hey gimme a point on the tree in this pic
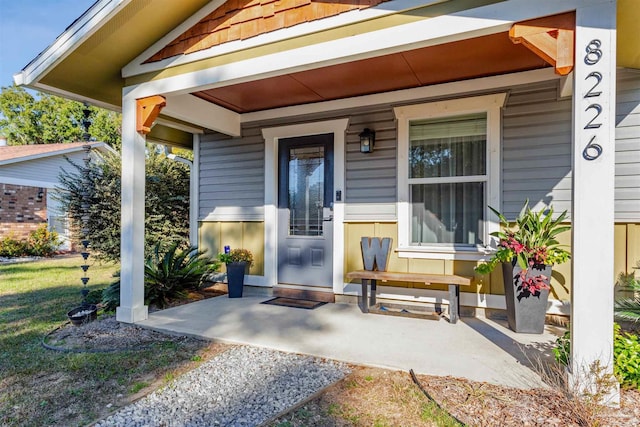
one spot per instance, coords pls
(166, 202)
(47, 119)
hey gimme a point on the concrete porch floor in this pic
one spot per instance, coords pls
(475, 348)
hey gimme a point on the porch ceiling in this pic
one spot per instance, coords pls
(478, 57)
(86, 61)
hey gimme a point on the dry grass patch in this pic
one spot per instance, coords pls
(378, 397)
(369, 397)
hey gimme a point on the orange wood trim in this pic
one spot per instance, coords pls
(551, 38)
(148, 110)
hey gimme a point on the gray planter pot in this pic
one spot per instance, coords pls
(235, 278)
(525, 311)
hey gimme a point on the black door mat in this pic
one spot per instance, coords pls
(295, 303)
(405, 311)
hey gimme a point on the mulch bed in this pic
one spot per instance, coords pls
(483, 404)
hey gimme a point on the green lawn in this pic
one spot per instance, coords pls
(40, 387)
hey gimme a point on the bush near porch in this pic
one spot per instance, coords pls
(40, 242)
(166, 202)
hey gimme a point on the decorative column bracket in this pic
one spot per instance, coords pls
(147, 112)
(551, 38)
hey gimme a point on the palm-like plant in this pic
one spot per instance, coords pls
(532, 242)
(168, 275)
(628, 308)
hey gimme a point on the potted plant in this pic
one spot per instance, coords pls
(237, 262)
(527, 254)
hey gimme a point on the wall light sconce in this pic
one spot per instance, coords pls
(40, 193)
(367, 140)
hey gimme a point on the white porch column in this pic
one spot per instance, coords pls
(132, 308)
(593, 193)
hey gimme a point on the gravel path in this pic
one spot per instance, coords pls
(244, 386)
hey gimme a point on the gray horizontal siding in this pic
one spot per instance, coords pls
(536, 149)
(231, 181)
(370, 192)
(371, 178)
(535, 152)
(627, 184)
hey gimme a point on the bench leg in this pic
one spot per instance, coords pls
(372, 300)
(365, 298)
(454, 303)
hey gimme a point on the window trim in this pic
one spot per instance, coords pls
(489, 104)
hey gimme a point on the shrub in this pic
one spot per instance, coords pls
(94, 296)
(626, 363)
(111, 296)
(169, 274)
(562, 349)
(42, 242)
(10, 247)
(628, 308)
(626, 355)
(236, 255)
(532, 242)
(166, 202)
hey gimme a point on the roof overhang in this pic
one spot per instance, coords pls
(87, 60)
(60, 150)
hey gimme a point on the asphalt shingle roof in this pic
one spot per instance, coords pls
(14, 152)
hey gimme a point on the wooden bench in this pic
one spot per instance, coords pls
(372, 277)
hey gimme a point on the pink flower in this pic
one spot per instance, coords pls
(513, 244)
(533, 284)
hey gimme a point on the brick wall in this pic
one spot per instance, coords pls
(22, 209)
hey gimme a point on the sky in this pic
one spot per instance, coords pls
(27, 27)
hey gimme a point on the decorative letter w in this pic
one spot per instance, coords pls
(375, 254)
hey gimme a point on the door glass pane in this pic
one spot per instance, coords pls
(306, 190)
(447, 213)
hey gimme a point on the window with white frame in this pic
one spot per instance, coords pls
(447, 180)
(448, 173)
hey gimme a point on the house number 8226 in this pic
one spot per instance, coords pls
(593, 150)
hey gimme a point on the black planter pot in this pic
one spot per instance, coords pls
(235, 278)
(83, 314)
(525, 311)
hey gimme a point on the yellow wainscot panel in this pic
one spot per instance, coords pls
(231, 234)
(209, 237)
(434, 266)
(495, 280)
(253, 240)
(352, 251)
(619, 249)
(633, 246)
(561, 275)
(385, 229)
(466, 268)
